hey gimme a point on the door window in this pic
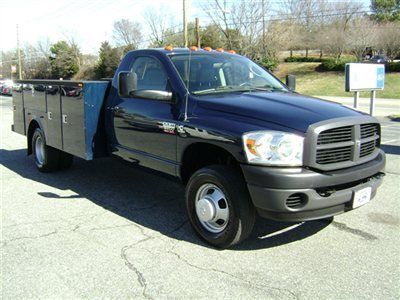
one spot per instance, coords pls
(150, 74)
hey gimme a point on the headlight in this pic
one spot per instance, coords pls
(273, 148)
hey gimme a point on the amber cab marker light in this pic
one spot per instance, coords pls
(220, 49)
(169, 48)
(207, 49)
(232, 51)
(193, 48)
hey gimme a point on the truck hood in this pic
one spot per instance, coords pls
(286, 109)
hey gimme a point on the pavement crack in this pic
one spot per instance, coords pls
(247, 282)
(112, 227)
(140, 278)
(358, 232)
(29, 237)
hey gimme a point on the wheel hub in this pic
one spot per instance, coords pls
(205, 210)
(39, 150)
(212, 208)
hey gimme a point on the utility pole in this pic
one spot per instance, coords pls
(198, 33)
(185, 33)
(19, 55)
(263, 24)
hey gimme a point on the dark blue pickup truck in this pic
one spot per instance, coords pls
(240, 140)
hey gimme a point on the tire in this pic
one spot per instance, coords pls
(65, 161)
(46, 158)
(202, 194)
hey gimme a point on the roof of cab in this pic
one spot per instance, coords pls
(187, 50)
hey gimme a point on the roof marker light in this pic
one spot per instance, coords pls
(207, 49)
(194, 48)
(169, 48)
(220, 49)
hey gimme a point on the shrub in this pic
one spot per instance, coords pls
(269, 63)
(392, 67)
(302, 59)
(330, 64)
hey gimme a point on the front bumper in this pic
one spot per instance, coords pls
(323, 194)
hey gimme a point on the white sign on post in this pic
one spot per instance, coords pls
(365, 77)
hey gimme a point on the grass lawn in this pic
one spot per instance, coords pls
(311, 82)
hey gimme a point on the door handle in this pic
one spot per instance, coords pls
(64, 119)
(49, 115)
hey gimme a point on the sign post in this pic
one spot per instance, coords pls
(356, 97)
(365, 77)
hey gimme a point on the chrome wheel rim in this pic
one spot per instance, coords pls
(212, 208)
(39, 150)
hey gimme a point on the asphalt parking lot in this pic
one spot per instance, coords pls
(104, 229)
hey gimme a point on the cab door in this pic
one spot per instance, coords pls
(145, 128)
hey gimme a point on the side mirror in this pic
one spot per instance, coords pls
(127, 83)
(291, 82)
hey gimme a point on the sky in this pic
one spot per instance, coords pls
(88, 22)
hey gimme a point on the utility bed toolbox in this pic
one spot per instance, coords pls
(68, 112)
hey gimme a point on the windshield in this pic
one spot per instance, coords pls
(220, 73)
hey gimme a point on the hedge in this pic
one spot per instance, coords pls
(302, 59)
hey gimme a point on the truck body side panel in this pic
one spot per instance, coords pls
(18, 112)
(94, 121)
(73, 123)
(34, 97)
(69, 112)
(53, 118)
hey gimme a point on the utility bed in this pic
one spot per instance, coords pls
(68, 111)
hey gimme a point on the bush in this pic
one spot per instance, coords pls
(330, 64)
(302, 59)
(392, 67)
(269, 63)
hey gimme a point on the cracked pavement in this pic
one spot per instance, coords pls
(104, 229)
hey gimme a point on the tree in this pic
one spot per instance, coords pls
(127, 34)
(212, 37)
(108, 61)
(158, 25)
(333, 35)
(388, 39)
(385, 10)
(362, 34)
(64, 59)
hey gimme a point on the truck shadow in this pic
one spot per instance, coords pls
(391, 149)
(144, 198)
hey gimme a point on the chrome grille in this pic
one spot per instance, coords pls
(367, 148)
(341, 144)
(333, 155)
(368, 130)
(336, 135)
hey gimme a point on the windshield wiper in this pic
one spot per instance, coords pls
(268, 88)
(221, 89)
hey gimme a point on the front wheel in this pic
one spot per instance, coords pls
(219, 206)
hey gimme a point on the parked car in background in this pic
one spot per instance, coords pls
(17, 87)
(379, 59)
(7, 90)
(6, 87)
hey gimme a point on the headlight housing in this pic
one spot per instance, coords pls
(274, 148)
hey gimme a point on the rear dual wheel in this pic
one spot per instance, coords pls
(48, 159)
(219, 206)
